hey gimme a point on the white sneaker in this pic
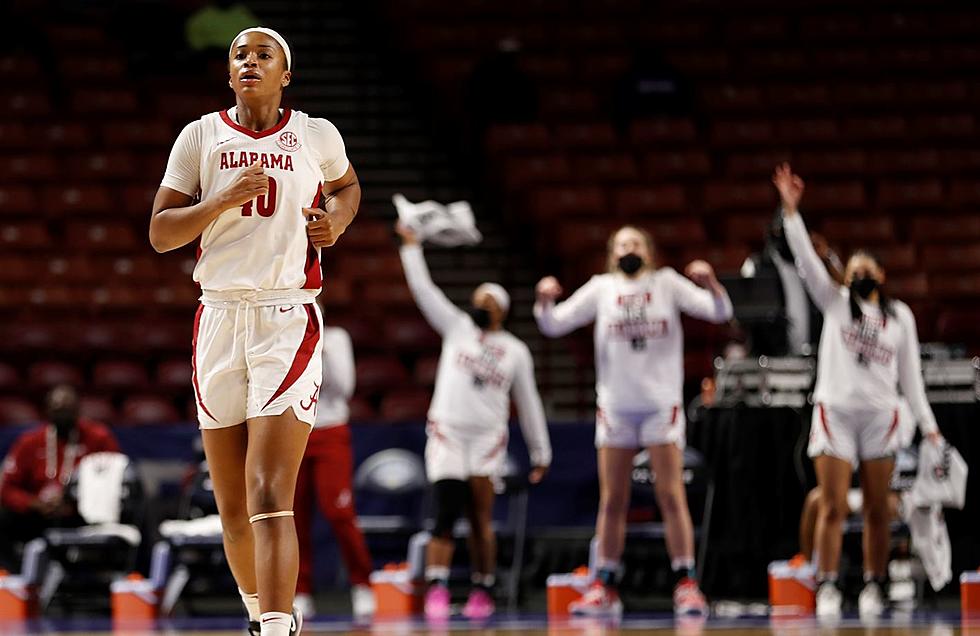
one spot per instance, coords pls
(829, 600)
(362, 601)
(870, 602)
(304, 603)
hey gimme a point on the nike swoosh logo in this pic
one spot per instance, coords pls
(283, 310)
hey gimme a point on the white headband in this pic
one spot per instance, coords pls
(272, 34)
(498, 293)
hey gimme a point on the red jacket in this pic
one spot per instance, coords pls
(26, 471)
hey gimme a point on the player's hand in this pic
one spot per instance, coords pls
(790, 188)
(407, 234)
(250, 183)
(323, 228)
(537, 474)
(548, 289)
(703, 274)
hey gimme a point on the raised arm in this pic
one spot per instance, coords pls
(910, 375)
(176, 219)
(530, 412)
(438, 310)
(707, 299)
(338, 362)
(579, 310)
(822, 288)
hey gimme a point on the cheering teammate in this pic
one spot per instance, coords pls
(639, 353)
(242, 180)
(869, 348)
(467, 429)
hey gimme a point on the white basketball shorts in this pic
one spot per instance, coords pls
(854, 436)
(459, 453)
(255, 359)
(666, 425)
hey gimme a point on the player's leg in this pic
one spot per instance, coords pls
(333, 475)
(875, 485)
(808, 522)
(833, 479)
(303, 511)
(275, 451)
(483, 547)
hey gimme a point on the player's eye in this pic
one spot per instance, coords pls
(265, 56)
(239, 56)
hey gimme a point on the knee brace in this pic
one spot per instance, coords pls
(451, 496)
(270, 515)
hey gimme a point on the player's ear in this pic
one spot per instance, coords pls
(230, 85)
(286, 78)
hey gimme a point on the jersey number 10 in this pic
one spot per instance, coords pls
(264, 205)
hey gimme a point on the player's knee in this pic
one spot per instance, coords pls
(269, 493)
(670, 499)
(833, 509)
(451, 496)
(614, 504)
(876, 512)
(234, 524)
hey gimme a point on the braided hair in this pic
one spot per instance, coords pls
(884, 300)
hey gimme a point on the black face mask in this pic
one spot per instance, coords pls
(480, 316)
(630, 264)
(864, 286)
(64, 423)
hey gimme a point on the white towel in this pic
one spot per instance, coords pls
(203, 527)
(930, 540)
(446, 225)
(941, 478)
(100, 485)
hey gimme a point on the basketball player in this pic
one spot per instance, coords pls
(242, 180)
(868, 348)
(639, 352)
(325, 475)
(480, 365)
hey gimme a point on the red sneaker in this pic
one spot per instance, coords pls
(598, 600)
(688, 599)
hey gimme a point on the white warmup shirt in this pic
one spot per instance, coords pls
(639, 344)
(261, 245)
(477, 369)
(862, 363)
(338, 378)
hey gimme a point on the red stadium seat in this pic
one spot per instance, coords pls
(337, 292)
(517, 137)
(119, 374)
(174, 374)
(104, 101)
(361, 410)
(657, 132)
(149, 409)
(387, 294)
(848, 163)
(102, 237)
(950, 126)
(919, 162)
(875, 128)
(636, 201)
(376, 373)
(69, 201)
(98, 337)
(137, 200)
(165, 337)
(749, 195)
(965, 193)
(76, 269)
(910, 287)
(605, 167)
(742, 133)
(546, 66)
(953, 92)
(50, 373)
(22, 68)
(25, 104)
(95, 408)
(89, 69)
(424, 373)
(957, 325)
(759, 164)
(117, 164)
(597, 135)
(14, 410)
(726, 259)
(31, 167)
(135, 268)
(868, 93)
(897, 258)
(57, 296)
(15, 135)
(29, 336)
(573, 102)
(945, 257)
(867, 230)
(405, 405)
(555, 202)
(10, 378)
(803, 131)
(385, 266)
(839, 196)
(734, 97)
(64, 135)
(137, 133)
(574, 238)
(24, 235)
(180, 297)
(404, 333)
(20, 269)
(795, 96)
(921, 193)
(366, 234)
(959, 287)
(18, 200)
(684, 163)
(748, 228)
(520, 172)
(938, 228)
(680, 232)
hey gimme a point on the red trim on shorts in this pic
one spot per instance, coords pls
(501, 445)
(600, 418)
(894, 426)
(197, 388)
(262, 133)
(673, 415)
(823, 420)
(303, 354)
(314, 275)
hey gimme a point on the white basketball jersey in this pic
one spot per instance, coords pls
(261, 245)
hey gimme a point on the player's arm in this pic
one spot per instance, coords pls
(342, 198)
(558, 320)
(910, 376)
(823, 289)
(530, 412)
(439, 311)
(705, 297)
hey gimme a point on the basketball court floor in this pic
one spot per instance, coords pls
(530, 625)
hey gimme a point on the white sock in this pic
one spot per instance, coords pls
(682, 563)
(251, 602)
(276, 624)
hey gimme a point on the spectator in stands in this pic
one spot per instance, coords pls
(799, 330)
(869, 349)
(39, 466)
(325, 475)
(481, 365)
(650, 87)
(639, 347)
(210, 28)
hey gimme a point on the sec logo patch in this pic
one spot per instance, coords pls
(288, 141)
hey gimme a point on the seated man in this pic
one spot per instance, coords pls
(39, 466)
